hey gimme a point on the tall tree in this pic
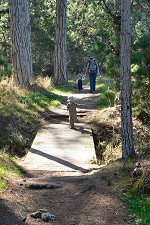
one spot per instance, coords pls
(60, 66)
(126, 110)
(21, 42)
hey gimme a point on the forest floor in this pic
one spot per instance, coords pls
(83, 198)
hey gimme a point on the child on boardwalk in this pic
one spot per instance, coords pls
(79, 81)
(71, 107)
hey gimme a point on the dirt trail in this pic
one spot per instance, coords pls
(83, 198)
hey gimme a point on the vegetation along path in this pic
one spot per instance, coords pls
(62, 186)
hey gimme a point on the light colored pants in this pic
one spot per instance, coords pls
(72, 120)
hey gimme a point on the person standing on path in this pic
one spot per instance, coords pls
(92, 71)
(79, 81)
(71, 107)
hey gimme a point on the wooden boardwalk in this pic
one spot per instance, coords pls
(56, 147)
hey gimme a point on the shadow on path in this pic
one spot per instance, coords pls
(82, 130)
(58, 160)
(8, 215)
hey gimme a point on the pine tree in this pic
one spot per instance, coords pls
(21, 42)
(126, 110)
(60, 67)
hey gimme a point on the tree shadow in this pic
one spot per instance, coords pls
(8, 214)
(82, 130)
(59, 160)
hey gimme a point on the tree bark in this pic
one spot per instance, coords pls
(126, 110)
(60, 68)
(21, 42)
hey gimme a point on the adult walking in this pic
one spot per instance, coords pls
(92, 71)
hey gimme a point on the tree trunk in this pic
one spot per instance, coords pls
(60, 68)
(21, 41)
(126, 110)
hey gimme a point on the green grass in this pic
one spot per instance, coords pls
(41, 99)
(138, 204)
(139, 209)
(128, 165)
(106, 81)
(64, 88)
(102, 87)
(3, 172)
(3, 184)
(8, 167)
(105, 88)
(103, 102)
